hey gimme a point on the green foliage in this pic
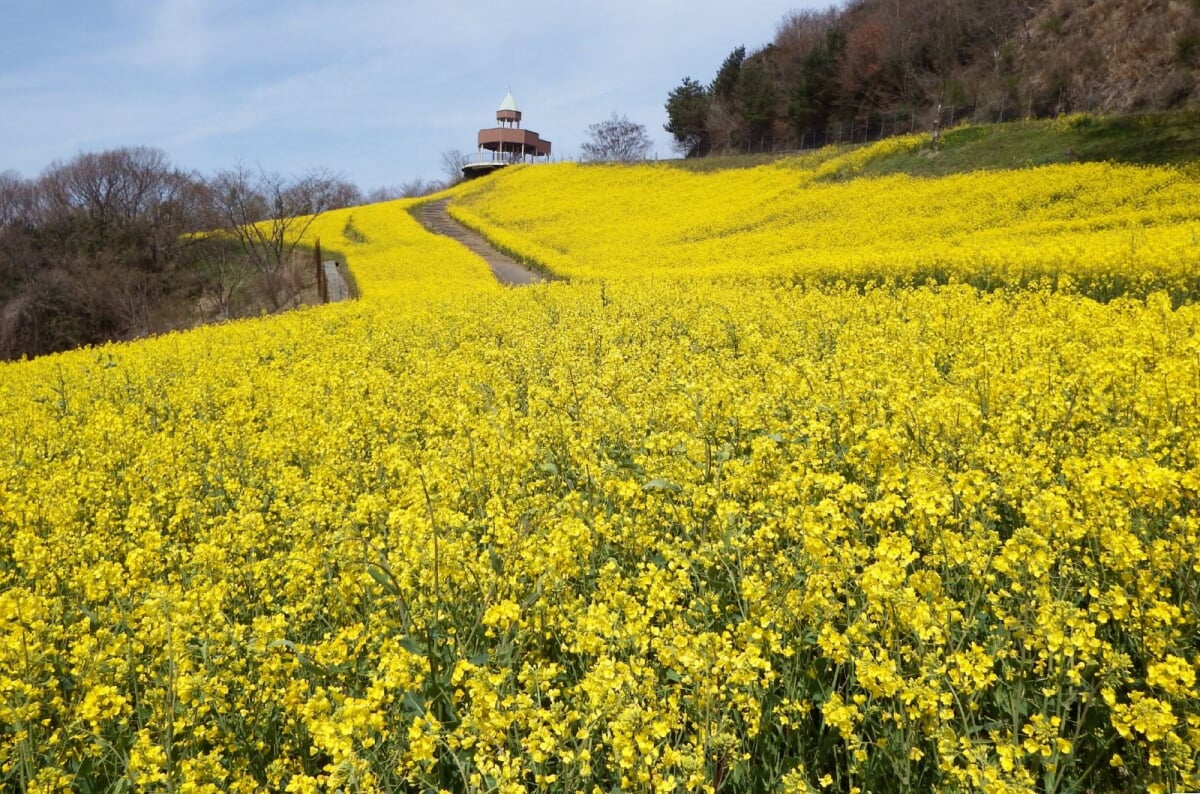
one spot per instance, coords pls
(814, 93)
(1147, 139)
(1170, 138)
(756, 98)
(687, 117)
(726, 82)
(352, 233)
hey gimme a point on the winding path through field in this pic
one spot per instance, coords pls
(435, 218)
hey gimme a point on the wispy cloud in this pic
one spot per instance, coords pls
(178, 35)
(376, 89)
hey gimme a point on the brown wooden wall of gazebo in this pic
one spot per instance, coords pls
(513, 141)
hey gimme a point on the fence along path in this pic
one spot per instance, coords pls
(435, 218)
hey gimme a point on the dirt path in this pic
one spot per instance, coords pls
(435, 218)
(339, 290)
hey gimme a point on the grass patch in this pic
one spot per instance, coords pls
(1166, 138)
(728, 162)
(1149, 139)
(990, 147)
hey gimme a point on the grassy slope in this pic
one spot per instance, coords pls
(1156, 139)
(1103, 229)
(1149, 139)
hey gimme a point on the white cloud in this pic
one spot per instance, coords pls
(374, 88)
(179, 35)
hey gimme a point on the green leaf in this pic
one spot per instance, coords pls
(93, 618)
(414, 705)
(384, 578)
(311, 665)
(661, 485)
(533, 597)
(412, 645)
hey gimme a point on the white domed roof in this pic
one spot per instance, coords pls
(509, 103)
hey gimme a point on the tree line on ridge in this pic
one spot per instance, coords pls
(871, 68)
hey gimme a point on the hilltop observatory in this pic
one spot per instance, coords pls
(507, 142)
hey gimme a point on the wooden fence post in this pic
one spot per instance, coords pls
(322, 286)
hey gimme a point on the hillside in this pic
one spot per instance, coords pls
(1107, 229)
(1112, 55)
(121, 244)
(871, 68)
(1163, 138)
(803, 479)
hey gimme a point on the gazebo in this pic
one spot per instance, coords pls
(507, 142)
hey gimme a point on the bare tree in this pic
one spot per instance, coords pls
(343, 194)
(802, 31)
(617, 139)
(17, 262)
(89, 249)
(453, 161)
(722, 123)
(128, 200)
(228, 274)
(268, 214)
(416, 187)
(98, 247)
(118, 184)
(16, 198)
(413, 188)
(386, 193)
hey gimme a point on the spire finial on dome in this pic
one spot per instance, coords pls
(509, 103)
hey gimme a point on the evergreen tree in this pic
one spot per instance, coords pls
(756, 99)
(687, 115)
(814, 94)
(725, 84)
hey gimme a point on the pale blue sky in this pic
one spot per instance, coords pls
(372, 90)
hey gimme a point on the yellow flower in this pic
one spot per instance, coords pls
(1173, 675)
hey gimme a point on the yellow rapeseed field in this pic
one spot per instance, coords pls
(1098, 229)
(738, 508)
